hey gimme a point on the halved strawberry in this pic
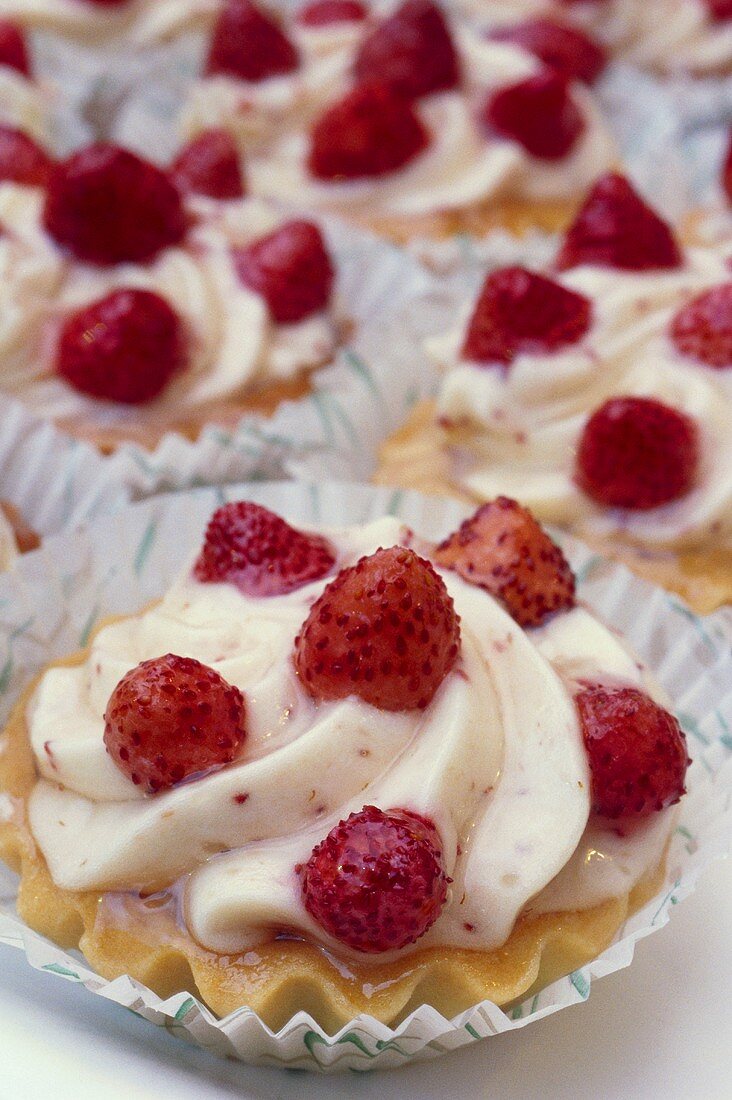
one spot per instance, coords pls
(727, 169)
(720, 10)
(248, 546)
(411, 51)
(636, 452)
(702, 329)
(565, 49)
(504, 550)
(370, 132)
(249, 45)
(616, 228)
(291, 269)
(323, 13)
(377, 881)
(13, 48)
(637, 752)
(22, 160)
(209, 165)
(107, 206)
(539, 113)
(384, 629)
(519, 312)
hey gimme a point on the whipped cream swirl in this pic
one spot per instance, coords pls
(140, 20)
(496, 761)
(667, 35)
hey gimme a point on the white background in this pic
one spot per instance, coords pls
(662, 1029)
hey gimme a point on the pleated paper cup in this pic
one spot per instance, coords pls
(54, 482)
(50, 604)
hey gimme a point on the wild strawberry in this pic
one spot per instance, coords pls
(411, 51)
(637, 752)
(13, 48)
(384, 629)
(727, 170)
(322, 13)
(521, 312)
(719, 10)
(249, 45)
(258, 552)
(291, 269)
(377, 882)
(616, 228)
(124, 347)
(109, 206)
(539, 113)
(702, 329)
(370, 132)
(636, 452)
(503, 549)
(209, 165)
(171, 719)
(560, 47)
(22, 160)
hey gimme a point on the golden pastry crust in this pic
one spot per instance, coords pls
(515, 217)
(148, 432)
(124, 933)
(419, 456)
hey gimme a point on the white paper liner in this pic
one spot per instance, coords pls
(50, 605)
(55, 482)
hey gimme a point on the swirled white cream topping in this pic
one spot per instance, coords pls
(234, 347)
(142, 20)
(668, 35)
(9, 552)
(524, 422)
(496, 761)
(24, 104)
(461, 166)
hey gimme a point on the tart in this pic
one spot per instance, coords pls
(600, 392)
(411, 123)
(390, 761)
(195, 306)
(668, 36)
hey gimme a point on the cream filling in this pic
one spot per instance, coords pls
(667, 34)
(8, 546)
(525, 421)
(23, 104)
(258, 112)
(147, 20)
(234, 347)
(662, 34)
(496, 761)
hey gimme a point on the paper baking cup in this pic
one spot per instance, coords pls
(54, 481)
(48, 608)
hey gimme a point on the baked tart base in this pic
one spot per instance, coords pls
(478, 220)
(125, 933)
(148, 432)
(418, 457)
